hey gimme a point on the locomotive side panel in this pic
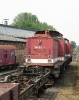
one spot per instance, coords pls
(55, 49)
(61, 48)
(68, 50)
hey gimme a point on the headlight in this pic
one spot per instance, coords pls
(29, 59)
(49, 59)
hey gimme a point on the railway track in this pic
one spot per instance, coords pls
(45, 95)
(8, 72)
(34, 85)
(5, 75)
(29, 84)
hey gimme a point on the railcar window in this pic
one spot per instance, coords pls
(5, 55)
(12, 54)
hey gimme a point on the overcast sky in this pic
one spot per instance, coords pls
(62, 14)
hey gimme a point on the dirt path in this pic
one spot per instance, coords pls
(68, 83)
(66, 87)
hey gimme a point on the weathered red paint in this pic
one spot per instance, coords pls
(61, 47)
(5, 91)
(44, 44)
(41, 46)
(7, 55)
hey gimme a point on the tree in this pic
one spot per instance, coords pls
(72, 42)
(30, 21)
(25, 17)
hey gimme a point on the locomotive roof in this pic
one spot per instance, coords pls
(66, 39)
(7, 47)
(52, 33)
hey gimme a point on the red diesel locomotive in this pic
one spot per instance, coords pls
(48, 49)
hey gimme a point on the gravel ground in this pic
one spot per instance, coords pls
(68, 83)
(66, 87)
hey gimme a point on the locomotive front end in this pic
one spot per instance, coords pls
(40, 50)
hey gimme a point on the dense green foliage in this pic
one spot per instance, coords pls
(72, 42)
(76, 48)
(29, 21)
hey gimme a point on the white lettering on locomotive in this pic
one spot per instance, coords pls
(39, 47)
